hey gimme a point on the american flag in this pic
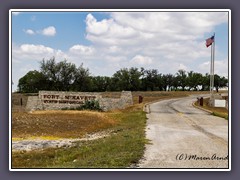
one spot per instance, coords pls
(209, 41)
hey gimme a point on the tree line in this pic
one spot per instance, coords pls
(66, 76)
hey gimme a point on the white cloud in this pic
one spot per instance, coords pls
(49, 31)
(175, 24)
(26, 57)
(220, 67)
(35, 49)
(30, 53)
(95, 27)
(29, 31)
(167, 41)
(141, 60)
(114, 49)
(172, 35)
(81, 49)
(182, 66)
(109, 32)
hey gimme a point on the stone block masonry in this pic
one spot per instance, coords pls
(117, 103)
(57, 100)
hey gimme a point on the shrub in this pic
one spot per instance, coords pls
(88, 105)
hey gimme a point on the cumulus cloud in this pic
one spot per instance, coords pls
(182, 25)
(109, 32)
(34, 53)
(35, 49)
(26, 57)
(168, 34)
(95, 27)
(151, 27)
(169, 40)
(183, 67)
(141, 60)
(49, 31)
(29, 31)
(220, 67)
(81, 49)
(114, 49)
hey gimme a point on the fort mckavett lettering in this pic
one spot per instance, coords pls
(67, 99)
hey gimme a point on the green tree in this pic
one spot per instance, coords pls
(135, 81)
(151, 80)
(82, 80)
(181, 77)
(60, 75)
(32, 82)
(101, 83)
(167, 81)
(194, 80)
(127, 79)
(219, 82)
(205, 83)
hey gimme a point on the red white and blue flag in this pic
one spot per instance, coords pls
(209, 41)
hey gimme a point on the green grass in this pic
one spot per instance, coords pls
(120, 150)
(220, 114)
(216, 111)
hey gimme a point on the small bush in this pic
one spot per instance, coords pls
(88, 105)
(65, 108)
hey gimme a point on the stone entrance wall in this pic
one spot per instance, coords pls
(56, 100)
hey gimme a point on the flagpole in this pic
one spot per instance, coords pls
(211, 42)
(212, 73)
(211, 68)
(210, 85)
(213, 57)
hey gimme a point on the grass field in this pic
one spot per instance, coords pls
(123, 148)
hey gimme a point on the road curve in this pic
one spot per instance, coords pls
(182, 136)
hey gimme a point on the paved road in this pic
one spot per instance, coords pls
(182, 136)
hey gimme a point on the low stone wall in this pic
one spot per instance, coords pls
(55, 100)
(117, 103)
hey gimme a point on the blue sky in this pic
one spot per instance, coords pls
(108, 41)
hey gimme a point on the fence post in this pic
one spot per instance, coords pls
(201, 101)
(140, 99)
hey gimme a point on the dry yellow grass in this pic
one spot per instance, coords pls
(58, 124)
